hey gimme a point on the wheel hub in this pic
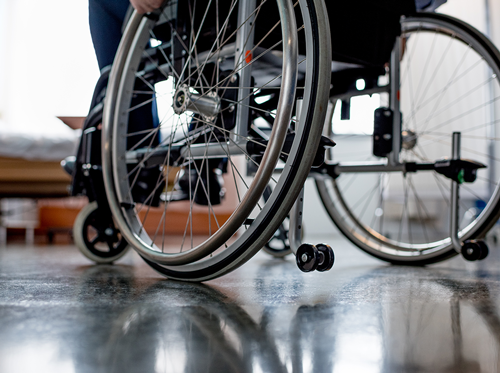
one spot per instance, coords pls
(207, 104)
(409, 139)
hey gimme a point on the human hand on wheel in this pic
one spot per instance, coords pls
(146, 6)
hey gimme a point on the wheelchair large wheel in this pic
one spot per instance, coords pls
(186, 192)
(449, 81)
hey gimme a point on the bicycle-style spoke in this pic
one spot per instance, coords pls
(436, 71)
(444, 91)
(408, 75)
(431, 98)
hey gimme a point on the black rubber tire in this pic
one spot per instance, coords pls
(307, 258)
(484, 250)
(328, 255)
(87, 221)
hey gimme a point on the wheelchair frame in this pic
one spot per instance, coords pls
(311, 257)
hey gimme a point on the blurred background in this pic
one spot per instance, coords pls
(47, 64)
(48, 70)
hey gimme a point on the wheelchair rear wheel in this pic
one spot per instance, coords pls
(449, 81)
(187, 192)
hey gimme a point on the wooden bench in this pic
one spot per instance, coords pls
(23, 178)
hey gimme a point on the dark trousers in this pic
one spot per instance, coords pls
(106, 19)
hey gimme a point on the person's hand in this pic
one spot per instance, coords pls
(146, 6)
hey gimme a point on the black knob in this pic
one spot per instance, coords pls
(326, 257)
(471, 250)
(307, 257)
(484, 250)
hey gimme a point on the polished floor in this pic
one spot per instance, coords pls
(59, 313)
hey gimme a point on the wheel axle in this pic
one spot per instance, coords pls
(207, 105)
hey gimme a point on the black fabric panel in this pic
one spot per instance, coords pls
(364, 31)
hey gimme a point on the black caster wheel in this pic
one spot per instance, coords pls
(474, 250)
(279, 246)
(326, 257)
(307, 257)
(98, 240)
(484, 249)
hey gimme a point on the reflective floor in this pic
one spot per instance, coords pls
(59, 313)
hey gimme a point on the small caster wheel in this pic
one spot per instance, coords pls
(484, 250)
(472, 250)
(279, 245)
(326, 257)
(98, 240)
(307, 257)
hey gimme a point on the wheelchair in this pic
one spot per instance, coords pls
(244, 95)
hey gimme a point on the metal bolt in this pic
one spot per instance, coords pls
(108, 231)
(233, 78)
(304, 258)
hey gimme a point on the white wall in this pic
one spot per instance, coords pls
(495, 20)
(469, 11)
(47, 67)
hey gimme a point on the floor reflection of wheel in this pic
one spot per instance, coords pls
(174, 327)
(96, 237)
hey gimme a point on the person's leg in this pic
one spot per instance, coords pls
(106, 19)
(428, 5)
